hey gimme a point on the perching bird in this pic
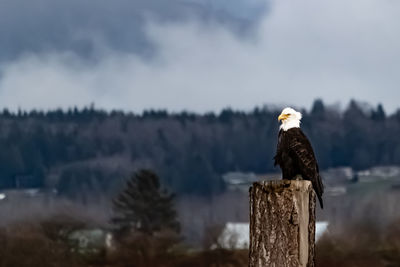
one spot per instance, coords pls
(294, 152)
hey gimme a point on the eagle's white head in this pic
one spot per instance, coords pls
(290, 119)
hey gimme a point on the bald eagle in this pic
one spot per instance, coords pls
(294, 152)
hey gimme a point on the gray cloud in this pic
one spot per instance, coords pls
(298, 51)
(78, 25)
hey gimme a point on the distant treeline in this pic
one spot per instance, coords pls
(90, 150)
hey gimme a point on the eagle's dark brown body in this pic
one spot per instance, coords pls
(295, 156)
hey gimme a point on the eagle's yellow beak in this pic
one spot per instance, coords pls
(283, 117)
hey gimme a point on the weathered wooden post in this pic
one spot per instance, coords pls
(282, 224)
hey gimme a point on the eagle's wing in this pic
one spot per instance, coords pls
(301, 149)
(278, 149)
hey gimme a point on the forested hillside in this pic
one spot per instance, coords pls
(91, 150)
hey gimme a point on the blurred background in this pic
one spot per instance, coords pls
(131, 131)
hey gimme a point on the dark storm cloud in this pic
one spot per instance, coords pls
(81, 26)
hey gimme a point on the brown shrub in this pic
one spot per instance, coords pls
(27, 245)
(215, 258)
(139, 249)
(361, 244)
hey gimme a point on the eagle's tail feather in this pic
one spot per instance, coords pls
(319, 189)
(320, 201)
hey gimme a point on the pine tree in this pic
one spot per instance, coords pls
(143, 206)
(378, 114)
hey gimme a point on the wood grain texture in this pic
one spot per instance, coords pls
(282, 224)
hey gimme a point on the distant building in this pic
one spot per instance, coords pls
(239, 180)
(237, 235)
(335, 176)
(18, 194)
(379, 173)
(320, 229)
(335, 190)
(89, 241)
(336, 180)
(242, 181)
(234, 236)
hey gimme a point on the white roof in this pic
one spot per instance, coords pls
(234, 236)
(320, 229)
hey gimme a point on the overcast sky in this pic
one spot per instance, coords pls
(198, 55)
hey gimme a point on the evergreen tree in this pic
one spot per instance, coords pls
(318, 107)
(143, 206)
(378, 114)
